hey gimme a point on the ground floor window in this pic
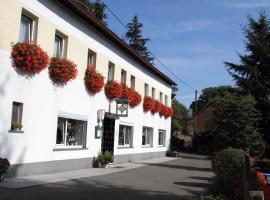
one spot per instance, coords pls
(71, 132)
(147, 136)
(161, 137)
(125, 136)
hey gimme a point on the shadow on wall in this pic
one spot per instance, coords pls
(88, 189)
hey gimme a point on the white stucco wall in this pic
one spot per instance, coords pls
(42, 101)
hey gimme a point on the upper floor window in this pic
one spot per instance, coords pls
(132, 82)
(16, 118)
(123, 76)
(161, 97)
(166, 100)
(147, 136)
(146, 90)
(59, 45)
(111, 71)
(125, 136)
(91, 58)
(26, 28)
(153, 93)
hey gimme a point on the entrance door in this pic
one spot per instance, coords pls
(108, 135)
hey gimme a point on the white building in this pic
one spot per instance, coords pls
(40, 147)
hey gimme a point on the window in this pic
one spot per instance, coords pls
(71, 132)
(26, 29)
(161, 97)
(111, 71)
(125, 136)
(166, 100)
(16, 118)
(58, 46)
(132, 82)
(161, 137)
(146, 90)
(123, 76)
(91, 58)
(147, 136)
(153, 93)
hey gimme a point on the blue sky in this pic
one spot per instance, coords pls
(191, 37)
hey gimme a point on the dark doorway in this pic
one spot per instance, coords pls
(108, 135)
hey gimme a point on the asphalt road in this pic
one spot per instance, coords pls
(179, 179)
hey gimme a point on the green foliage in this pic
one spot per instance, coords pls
(105, 158)
(180, 120)
(253, 72)
(136, 41)
(228, 165)
(234, 123)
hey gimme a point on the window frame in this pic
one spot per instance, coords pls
(83, 136)
(19, 113)
(111, 70)
(146, 90)
(132, 82)
(153, 92)
(166, 100)
(163, 138)
(123, 76)
(149, 131)
(32, 32)
(93, 55)
(63, 38)
(124, 135)
(161, 97)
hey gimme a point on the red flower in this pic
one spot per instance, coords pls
(62, 70)
(113, 89)
(136, 100)
(165, 111)
(93, 80)
(148, 104)
(157, 107)
(29, 57)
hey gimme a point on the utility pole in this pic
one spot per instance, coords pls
(196, 112)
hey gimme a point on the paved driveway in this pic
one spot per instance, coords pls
(179, 179)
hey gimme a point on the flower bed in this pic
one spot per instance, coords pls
(93, 80)
(148, 104)
(113, 90)
(29, 57)
(62, 70)
(137, 99)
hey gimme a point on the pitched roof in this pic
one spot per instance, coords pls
(83, 11)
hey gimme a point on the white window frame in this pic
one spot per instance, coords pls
(111, 69)
(91, 58)
(161, 97)
(19, 113)
(166, 100)
(130, 137)
(164, 137)
(32, 26)
(146, 90)
(65, 146)
(153, 93)
(123, 76)
(148, 134)
(132, 82)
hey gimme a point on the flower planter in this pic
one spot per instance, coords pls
(93, 80)
(148, 104)
(113, 90)
(29, 57)
(62, 70)
(166, 111)
(137, 99)
(157, 107)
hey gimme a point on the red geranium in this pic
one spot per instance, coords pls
(62, 70)
(93, 80)
(113, 89)
(128, 93)
(166, 111)
(157, 107)
(29, 57)
(136, 100)
(148, 104)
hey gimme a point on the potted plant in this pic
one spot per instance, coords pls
(4, 165)
(16, 126)
(148, 104)
(137, 99)
(104, 159)
(113, 90)
(93, 80)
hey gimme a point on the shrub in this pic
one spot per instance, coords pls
(62, 70)
(4, 165)
(29, 57)
(228, 165)
(93, 80)
(113, 89)
(105, 158)
(186, 141)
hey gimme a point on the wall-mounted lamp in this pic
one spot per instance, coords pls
(100, 118)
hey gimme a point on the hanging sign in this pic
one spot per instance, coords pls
(122, 107)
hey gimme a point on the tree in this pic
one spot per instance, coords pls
(135, 39)
(234, 124)
(180, 120)
(252, 75)
(97, 9)
(209, 95)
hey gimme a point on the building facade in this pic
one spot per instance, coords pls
(48, 113)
